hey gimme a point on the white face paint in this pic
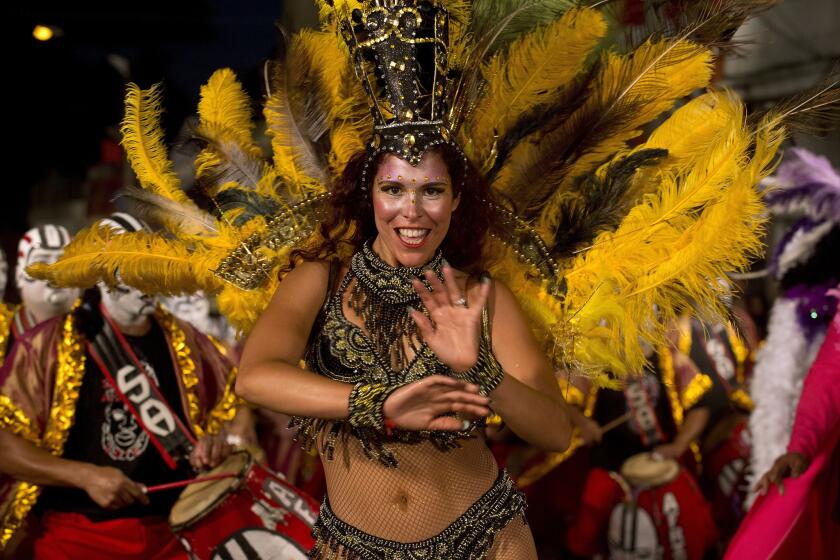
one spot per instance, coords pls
(128, 307)
(193, 308)
(38, 296)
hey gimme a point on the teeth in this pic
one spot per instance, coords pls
(413, 233)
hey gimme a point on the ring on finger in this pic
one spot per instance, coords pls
(461, 301)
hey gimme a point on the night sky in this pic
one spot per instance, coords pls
(66, 93)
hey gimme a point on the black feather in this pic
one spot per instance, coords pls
(601, 204)
(250, 202)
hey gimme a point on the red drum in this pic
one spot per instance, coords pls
(255, 515)
(725, 464)
(664, 515)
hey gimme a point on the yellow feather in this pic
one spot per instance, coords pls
(295, 158)
(672, 248)
(652, 78)
(531, 72)
(225, 104)
(351, 124)
(149, 262)
(225, 116)
(687, 134)
(142, 139)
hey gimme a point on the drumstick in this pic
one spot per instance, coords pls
(612, 424)
(180, 483)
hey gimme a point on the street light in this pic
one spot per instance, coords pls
(43, 32)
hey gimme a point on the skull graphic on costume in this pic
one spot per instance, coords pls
(123, 439)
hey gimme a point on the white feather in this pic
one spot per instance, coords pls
(801, 247)
(780, 369)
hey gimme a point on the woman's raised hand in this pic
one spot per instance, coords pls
(453, 326)
(422, 404)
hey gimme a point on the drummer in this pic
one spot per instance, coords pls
(718, 350)
(70, 424)
(665, 412)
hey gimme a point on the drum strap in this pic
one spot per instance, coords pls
(140, 393)
(23, 321)
(643, 413)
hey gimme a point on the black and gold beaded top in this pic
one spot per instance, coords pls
(400, 50)
(343, 351)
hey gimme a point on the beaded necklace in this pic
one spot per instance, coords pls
(381, 296)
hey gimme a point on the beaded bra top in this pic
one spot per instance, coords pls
(342, 351)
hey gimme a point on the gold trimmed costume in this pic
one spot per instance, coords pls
(7, 313)
(41, 385)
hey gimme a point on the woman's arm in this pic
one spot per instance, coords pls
(269, 375)
(528, 398)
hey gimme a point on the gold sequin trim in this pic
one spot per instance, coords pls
(14, 420)
(697, 387)
(68, 380)
(741, 353)
(186, 365)
(6, 314)
(669, 380)
(684, 342)
(742, 399)
(226, 409)
(26, 495)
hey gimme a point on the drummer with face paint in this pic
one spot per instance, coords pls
(39, 299)
(96, 406)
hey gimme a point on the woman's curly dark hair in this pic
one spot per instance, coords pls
(350, 220)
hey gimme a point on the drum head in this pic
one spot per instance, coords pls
(199, 498)
(642, 470)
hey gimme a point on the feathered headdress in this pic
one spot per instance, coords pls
(605, 224)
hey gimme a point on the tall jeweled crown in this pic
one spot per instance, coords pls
(400, 51)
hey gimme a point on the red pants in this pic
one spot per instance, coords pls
(71, 536)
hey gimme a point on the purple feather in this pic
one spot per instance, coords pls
(815, 306)
(806, 183)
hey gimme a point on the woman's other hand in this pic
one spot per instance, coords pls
(422, 404)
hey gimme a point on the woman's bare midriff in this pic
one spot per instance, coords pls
(415, 501)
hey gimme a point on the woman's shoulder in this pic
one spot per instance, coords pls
(311, 271)
(314, 276)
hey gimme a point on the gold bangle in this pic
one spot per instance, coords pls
(367, 405)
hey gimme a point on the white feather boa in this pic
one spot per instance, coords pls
(780, 369)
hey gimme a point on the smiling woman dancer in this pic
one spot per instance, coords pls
(401, 340)
(416, 144)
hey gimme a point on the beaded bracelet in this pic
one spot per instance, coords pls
(487, 372)
(367, 403)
